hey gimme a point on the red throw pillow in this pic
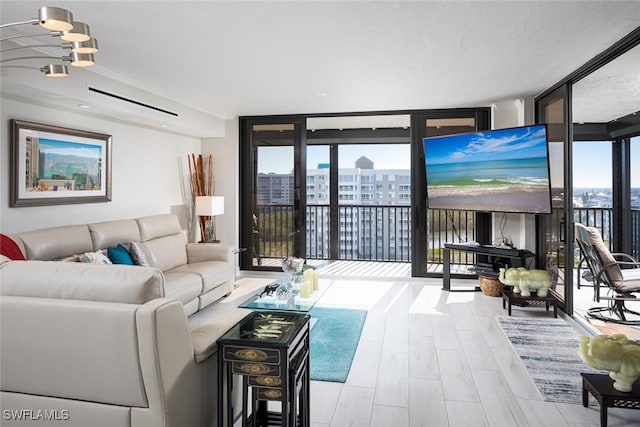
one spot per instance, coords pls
(10, 249)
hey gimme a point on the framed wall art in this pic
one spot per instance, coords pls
(52, 165)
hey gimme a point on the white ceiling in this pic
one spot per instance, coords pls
(610, 92)
(220, 59)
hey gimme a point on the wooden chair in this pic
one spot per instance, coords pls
(617, 273)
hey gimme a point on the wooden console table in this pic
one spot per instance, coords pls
(510, 298)
(507, 257)
(601, 387)
(270, 350)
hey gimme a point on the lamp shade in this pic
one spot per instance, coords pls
(79, 33)
(81, 59)
(55, 18)
(209, 205)
(55, 70)
(90, 46)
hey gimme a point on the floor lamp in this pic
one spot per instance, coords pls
(209, 206)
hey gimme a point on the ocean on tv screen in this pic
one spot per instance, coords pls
(504, 170)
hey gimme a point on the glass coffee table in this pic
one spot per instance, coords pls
(295, 303)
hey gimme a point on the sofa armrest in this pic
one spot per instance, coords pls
(200, 252)
(204, 337)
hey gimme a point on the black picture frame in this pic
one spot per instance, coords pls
(73, 166)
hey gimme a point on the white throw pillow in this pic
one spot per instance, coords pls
(97, 257)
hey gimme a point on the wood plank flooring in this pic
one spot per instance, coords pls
(433, 358)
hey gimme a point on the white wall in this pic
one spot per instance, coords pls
(148, 171)
(226, 158)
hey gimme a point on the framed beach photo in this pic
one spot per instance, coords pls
(52, 165)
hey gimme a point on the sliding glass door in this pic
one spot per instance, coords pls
(273, 192)
(434, 227)
(555, 229)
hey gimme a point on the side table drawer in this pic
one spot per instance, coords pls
(262, 381)
(269, 393)
(250, 354)
(255, 369)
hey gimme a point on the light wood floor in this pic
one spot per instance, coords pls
(433, 358)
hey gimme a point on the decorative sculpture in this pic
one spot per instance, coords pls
(524, 281)
(292, 266)
(616, 354)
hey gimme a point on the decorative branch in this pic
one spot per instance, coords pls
(201, 181)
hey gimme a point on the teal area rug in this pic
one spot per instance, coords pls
(333, 342)
(548, 349)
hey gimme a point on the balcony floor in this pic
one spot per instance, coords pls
(365, 269)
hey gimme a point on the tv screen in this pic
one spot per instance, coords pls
(503, 170)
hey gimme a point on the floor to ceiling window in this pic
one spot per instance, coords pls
(593, 186)
(341, 187)
(635, 196)
(597, 119)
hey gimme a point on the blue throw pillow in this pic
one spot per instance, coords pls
(119, 255)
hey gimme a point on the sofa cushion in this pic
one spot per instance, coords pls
(119, 255)
(185, 287)
(110, 233)
(167, 252)
(213, 273)
(154, 226)
(80, 281)
(57, 242)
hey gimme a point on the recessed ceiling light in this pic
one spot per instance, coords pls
(164, 125)
(84, 106)
(323, 94)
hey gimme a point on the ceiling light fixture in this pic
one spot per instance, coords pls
(89, 46)
(55, 70)
(76, 59)
(79, 33)
(60, 23)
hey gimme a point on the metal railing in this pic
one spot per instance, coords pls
(383, 232)
(599, 218)
(365, 233)
(635, 233)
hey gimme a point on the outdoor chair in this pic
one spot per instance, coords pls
(616, 273)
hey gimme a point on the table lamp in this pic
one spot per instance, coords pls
(209, 206)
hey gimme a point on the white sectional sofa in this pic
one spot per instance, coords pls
(111, 345)
(195, 274)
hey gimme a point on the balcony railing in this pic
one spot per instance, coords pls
(383, 232)
(599, 218)
(366, 233)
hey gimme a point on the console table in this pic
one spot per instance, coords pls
(270, 350)
(507, 257)
(601, 386)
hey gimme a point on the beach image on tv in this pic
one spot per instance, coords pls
(504, 170)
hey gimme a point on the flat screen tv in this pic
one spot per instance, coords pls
(503, 170)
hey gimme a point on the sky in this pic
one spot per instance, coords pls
(592, 164)
(528, 142)
(53, 146)
(384, 156)
(589, 168)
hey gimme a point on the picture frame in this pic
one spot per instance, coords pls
(73, 166)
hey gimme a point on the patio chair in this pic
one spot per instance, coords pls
(617, 273)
